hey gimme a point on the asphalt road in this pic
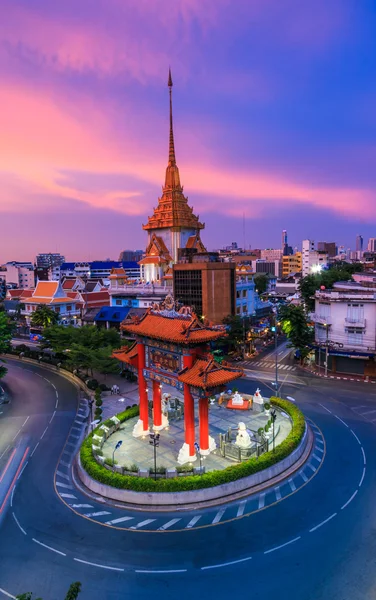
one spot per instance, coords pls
(315, 543)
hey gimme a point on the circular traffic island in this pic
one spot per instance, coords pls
(250, 449)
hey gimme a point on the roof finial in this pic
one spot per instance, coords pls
(171, 150)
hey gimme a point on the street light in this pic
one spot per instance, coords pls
(154, 441)
(93, 423)
(116, 448)
(273, 416)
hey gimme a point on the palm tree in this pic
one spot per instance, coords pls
(44, 316)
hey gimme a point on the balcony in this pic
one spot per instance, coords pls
(322, 320)
(357, 322)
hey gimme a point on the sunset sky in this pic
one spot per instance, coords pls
(274, 117)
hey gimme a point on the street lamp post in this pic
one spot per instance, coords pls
(154, 441)
(116, 448)
(273, 416)
(326, 349)
(93, 424)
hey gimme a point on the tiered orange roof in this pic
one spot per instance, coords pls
(127, 354)
(49, 292)
(207, 374)
(176, 328)
(156, 252)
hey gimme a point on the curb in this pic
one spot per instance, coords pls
(315, 374)
(78, 472)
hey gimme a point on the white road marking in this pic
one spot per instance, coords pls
(343, 422)
(7, 594)
(77, 428)
(81, 506)
(364, 456)
(11, 496)
(68, 496)
(311, 467)
(98, 514)
(42, 436)
(318, 449)
(62, 462)
(261, 500)
(282, 545)
(218, 516)
(368, 412)
(350, 499)
(227, 564)
(26, 420)
(277, 493)
(119, 520)
(241, 508)
(361, 480)
(323, 522)
(64, 485)
(57, 402)
(37, 444)
(303, 476)
(24, 467)
(291, 399)
(193, 521)
(168, 524)
(48, 547)
(327, 409)
(71, 444)
(16, 434)
(355, 436)
(53, 414)
(76, 437)
(143, 523)
(85, 562)
(320, 441)
(15, 518)
(292, 485)
(156, 572)
(63, 475)
(316, 457)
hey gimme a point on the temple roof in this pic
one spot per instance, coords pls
(207, 374)
(177, 328)
(126, 354)
(173, 209)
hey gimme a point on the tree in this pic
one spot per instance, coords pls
(73, 591)
(81, 357)
(295, 326)
(44, 316)
(6, 331)
(309, 284)
(98, 404)
(261, 283)
(103, 363)
(236, 330)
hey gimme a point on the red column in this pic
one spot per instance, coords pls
(203, 407)
(157, 404)
(189, 410)
(144, 411)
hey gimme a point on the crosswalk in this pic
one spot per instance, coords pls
(112, 516)
(266, 364)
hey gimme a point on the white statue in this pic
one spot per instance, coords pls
(243, 439)
(165, 403)
(257, 398)
(237, 400)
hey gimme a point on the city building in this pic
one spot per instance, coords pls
(269, 267)
(312, 260)
(359, 243)
(248, 302)
(50, 263)
(271, 254)
(345, 329)
(207, 285)
(131, 255)
(371, 247)
(19, 274)
(291, 263)
(51, 293)
(173, 225)
(330, 248)
(99, 269)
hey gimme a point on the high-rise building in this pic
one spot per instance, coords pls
(284, 246)
(329, 247)
(131, 255)
(359, 243)
(371, 245)
(173, 225)
(271, 254)
(312, 260)
(291, 263)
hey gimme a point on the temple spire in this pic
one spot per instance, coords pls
(171, 150)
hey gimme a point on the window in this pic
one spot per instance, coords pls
(118, 302)
(244, 308)
(238, 310)
(238, 294)
(244, 293)
(354, 336)
(324, 309)
(355, 313)
(57, 309)
(69, 307)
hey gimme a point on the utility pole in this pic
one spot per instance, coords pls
(326, 350)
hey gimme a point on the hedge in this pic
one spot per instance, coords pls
(194, 482)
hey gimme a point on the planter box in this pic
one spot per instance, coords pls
(170, 473)
(143, 473)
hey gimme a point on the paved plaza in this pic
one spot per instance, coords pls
(138, 450)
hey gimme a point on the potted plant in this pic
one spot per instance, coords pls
(267, 430)
(267, 408)
(260, 431)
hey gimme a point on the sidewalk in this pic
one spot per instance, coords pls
(314, 371)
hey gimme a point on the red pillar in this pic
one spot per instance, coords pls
(189, 411)
(144, 410)
(203, 407)
(157, 404)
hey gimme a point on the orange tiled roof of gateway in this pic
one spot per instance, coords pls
(206, 374)
(125, 354)
(177, 328)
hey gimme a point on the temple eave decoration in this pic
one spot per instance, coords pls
(207, 374)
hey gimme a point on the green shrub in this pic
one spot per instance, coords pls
(110, 462)
(267, 427)
(267, 405)
(92, 384)
(133, 468)
(194, 482)
(103, 387)
(184, 469)
(159, 470)
(260, 430)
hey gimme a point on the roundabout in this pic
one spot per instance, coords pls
(321, 520)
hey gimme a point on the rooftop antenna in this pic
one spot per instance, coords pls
(244, 231)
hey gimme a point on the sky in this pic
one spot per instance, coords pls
(274, 121)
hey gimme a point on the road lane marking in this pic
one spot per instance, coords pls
(311, 467)
(218, 516)
(81, 506)
(361, 480)
(48, 547)
(226, 564)
(323, 522)
(6, 449)
(320, 441)
(100, 513)
(14, 480)
(26, 420)
(343, 422)
(25, 465)
(7, 594)
(77, 428)
(36, 446)
(303, 476)
(292, 485)
(318, 449)
(166, 571)
(68, 496)
(368, 412)
(261, 500)
(15, 518)
(241, 508)
(53, 414)
(168, 524)
(63, 475)
(282, 545)
(65, 464)
(350, 499)
(16, 434)
(316, 457)
(356, 437)
(290, 398)
(76, 437)
(143, 523)
(193, 521)
(64, 485)
(327, 409)
(43, 434)
(119, 520)
(278, 493)
(364, 455)
(86, 562)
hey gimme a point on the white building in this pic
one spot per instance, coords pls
(312, 260)
(271, 254)
(346, 322)
(19, 274)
